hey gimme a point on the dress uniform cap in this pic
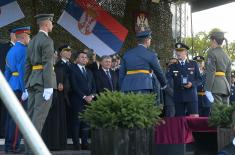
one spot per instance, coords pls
(42, 17)
(181, 47)
(217, 35)
(65, 47)
(144, 34)
(199, 58)
(23, 29)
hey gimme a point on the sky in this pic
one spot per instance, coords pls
(221, 17)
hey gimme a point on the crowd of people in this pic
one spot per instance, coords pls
(54, 89)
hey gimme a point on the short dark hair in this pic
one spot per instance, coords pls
(77, 54)
(106, 57)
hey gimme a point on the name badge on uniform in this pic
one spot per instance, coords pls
(191, 70)
(184, 80)
(175, 73)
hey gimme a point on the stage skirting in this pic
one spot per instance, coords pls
(179, 130)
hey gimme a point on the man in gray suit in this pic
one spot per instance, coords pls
(218, 71)
(40, 77)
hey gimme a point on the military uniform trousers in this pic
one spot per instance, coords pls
(12, 135)
(183, 108)
(38, 109)
(204, 106)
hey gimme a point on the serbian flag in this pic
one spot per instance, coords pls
(93, 26)
(9, 12)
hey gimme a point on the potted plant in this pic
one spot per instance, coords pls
(223, 117)
(122, 124)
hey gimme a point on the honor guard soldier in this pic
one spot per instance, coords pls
(134, 73)
(14, 74)
(204, 105)
(40, 77)
(232, 94)
(218, 71)
(185, 75)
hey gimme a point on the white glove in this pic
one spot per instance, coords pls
(47, 93)
(209, 96)
(234, 141)
(25, 95)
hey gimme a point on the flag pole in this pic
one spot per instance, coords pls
(17, 112)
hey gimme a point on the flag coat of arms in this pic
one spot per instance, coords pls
(9, 12)
(93, 26)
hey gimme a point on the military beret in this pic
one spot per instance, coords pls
(22, 29)
(199, 58)
(181, 47)
(144, 34)
(64, 48)
(217, 35)
(42, 17)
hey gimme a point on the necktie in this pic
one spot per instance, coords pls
(110, 79)
(67, 63)
(84, 72)
(182, 63)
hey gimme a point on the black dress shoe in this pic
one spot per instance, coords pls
(85, 147)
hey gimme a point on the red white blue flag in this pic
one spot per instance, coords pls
(9, 12)
(93, 26)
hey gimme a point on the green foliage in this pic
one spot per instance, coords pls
(200, 44)
(120, 110)
(221, 115)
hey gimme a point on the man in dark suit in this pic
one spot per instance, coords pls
(4, 48)
(134, 73)
(105, 77)
(82, 93)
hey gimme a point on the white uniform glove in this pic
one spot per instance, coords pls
(47, 93)
(209, 96)
(25, 95)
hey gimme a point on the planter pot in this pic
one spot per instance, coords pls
(224, 137)
(122, 142)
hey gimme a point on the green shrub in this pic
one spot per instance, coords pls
(120, 110)
(221, 115)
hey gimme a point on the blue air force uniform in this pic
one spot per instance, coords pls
(204, 104)
(14, 74)
(134, 73)
(185, 99)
